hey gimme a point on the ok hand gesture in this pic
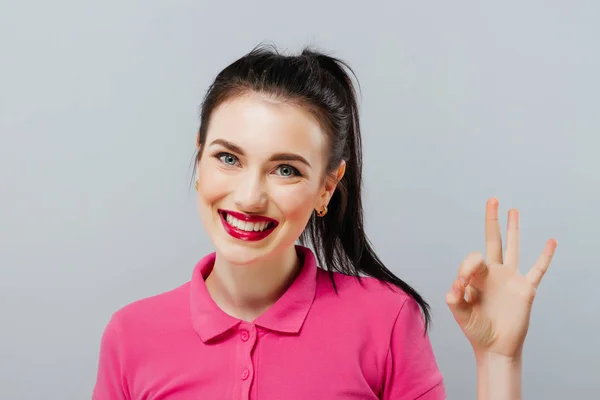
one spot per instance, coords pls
(490, 300)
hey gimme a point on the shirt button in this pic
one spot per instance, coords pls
(245, 336)
(245, 374)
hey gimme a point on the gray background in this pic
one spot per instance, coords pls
(461, 101)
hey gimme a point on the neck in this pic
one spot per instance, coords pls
(247, 291)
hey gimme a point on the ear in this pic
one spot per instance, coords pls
(330, 185)
(198, 141)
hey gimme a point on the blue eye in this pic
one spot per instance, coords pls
(227, 159)
(287, 171)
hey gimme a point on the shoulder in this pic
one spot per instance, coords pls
(364, 290)
(134, 334)
(389, 322)
(367, 300)
(147, 313)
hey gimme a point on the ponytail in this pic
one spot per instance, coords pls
(339, 238)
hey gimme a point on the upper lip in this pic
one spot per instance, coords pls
(248, 218)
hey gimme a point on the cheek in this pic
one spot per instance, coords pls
(296, 202)
(211, 185)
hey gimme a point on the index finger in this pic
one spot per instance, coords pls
(471, 266)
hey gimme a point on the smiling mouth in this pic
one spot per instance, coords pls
(247, 227)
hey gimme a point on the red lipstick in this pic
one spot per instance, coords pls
(247, 227)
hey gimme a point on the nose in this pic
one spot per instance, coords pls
(250, 193)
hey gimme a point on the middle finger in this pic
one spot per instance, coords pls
(493, 237)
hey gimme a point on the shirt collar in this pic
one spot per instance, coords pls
(286, 315)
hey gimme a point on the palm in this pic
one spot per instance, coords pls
(500, 310)
(492, 302)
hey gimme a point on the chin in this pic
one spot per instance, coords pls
(241, 253)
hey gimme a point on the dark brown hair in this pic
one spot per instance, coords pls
(322, 84)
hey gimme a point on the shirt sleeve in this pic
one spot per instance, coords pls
(411, 369)
(110, 376)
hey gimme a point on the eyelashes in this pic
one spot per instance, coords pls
(291, 172)
(227, 159)
(284, 170)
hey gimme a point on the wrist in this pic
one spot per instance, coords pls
(498, 376)
(487, 357)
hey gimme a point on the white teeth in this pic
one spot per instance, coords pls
(246, 226)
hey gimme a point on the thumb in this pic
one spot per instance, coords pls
(455, 299)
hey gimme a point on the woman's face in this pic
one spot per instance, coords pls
(260, 177)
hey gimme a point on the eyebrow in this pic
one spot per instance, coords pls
(275, 157)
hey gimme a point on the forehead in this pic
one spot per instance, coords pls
(262, 126)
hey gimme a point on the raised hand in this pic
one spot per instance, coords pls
(490, 300)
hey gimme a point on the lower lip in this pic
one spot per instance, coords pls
(245, 235)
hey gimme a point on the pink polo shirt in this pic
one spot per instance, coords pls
(365, 342)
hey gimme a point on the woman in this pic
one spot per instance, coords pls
(279, 160)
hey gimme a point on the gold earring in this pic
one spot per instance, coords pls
(322, 211)
(196, 184)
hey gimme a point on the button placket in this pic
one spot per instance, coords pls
(247, 341)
